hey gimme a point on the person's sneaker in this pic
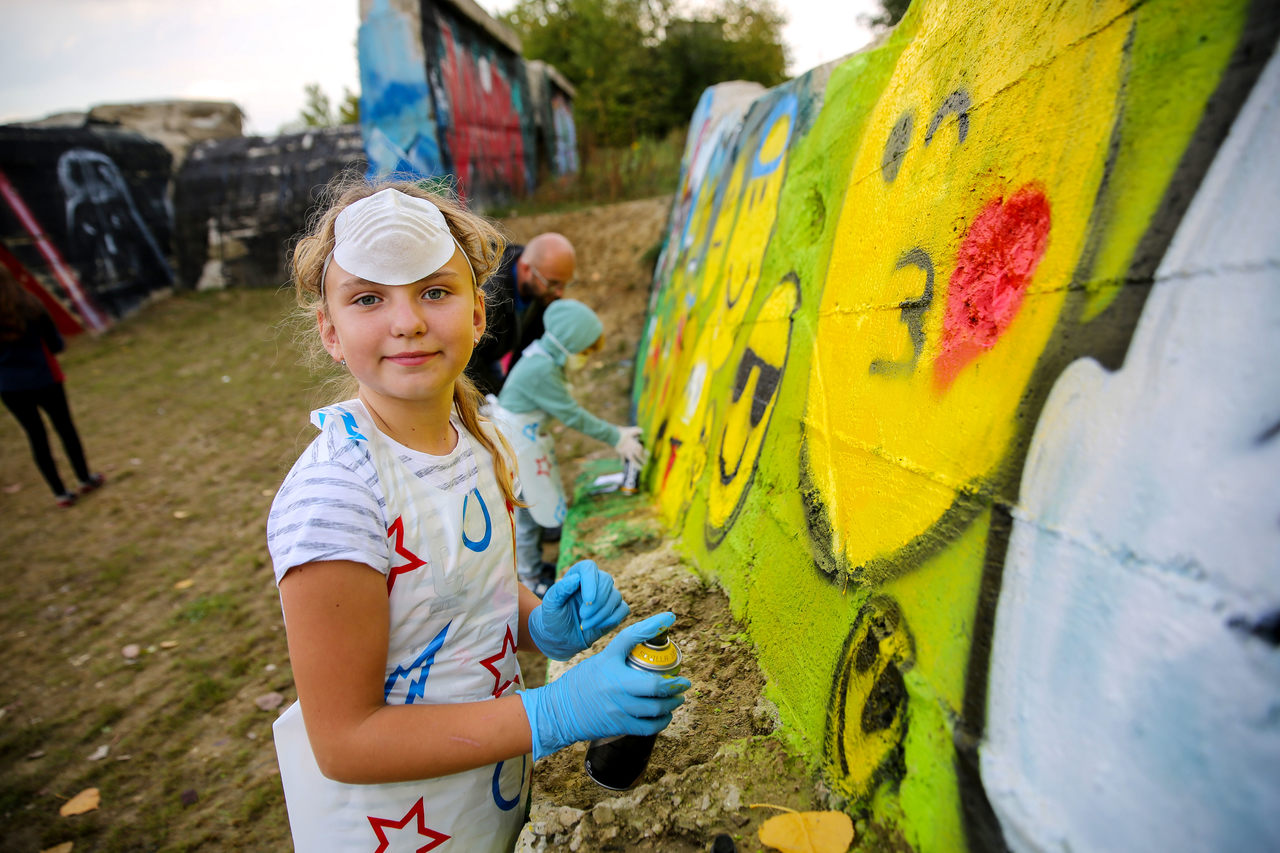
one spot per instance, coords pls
(65, 499)
(541, 582)
(95, 481)
(546, 579)
(537, 584)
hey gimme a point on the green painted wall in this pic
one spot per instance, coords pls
(873, 279)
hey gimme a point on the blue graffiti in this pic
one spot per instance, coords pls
(566, 141)
(395, 100)
(787, 106)
(423, 662)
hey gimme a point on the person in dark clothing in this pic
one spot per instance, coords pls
(31, 380)
(530, 278)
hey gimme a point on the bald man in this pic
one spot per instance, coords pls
(529, 279)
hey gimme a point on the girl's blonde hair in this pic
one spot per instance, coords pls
(479, 239)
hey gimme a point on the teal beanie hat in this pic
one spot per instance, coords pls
(573, 326)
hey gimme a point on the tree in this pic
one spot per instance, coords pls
(735, 40)
(638, 68)
(317, 110)
(349, 109)
(891, 11)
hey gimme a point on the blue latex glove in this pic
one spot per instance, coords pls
(579, 609)
(603, 697)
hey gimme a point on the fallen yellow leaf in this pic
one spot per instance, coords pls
(807, 832)
(64, 847)
(181, 513)
(85, 801)
(183, 584)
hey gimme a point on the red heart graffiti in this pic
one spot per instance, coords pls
(998, 256)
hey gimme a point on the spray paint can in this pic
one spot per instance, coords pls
(630, 477)
(618, 762)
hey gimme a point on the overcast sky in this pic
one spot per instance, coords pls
(68, 55)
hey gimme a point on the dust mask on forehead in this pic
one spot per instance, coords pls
(392, 238)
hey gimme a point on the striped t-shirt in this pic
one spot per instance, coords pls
(331, 505)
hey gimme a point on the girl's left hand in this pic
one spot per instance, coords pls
(579, 609)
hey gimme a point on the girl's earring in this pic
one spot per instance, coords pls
(343, 362)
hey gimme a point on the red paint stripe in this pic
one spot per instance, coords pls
(92, 316)
(63, 320)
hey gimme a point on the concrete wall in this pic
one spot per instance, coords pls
(445, 93)
(85, 217)
(177, 125)
(960, 375)
(95, 218)
(241, 203)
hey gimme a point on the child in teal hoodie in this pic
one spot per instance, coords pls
(536, 390)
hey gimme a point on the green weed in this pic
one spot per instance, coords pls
(206, 606)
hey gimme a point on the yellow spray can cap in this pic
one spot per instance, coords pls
(657, 655)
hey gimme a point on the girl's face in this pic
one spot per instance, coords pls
(404, 342)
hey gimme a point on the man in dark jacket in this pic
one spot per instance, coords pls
(530, 278)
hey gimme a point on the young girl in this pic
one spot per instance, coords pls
(536, 390)
(392, 545)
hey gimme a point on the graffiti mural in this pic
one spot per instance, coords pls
(1196, 595)
(719, 272)
(932, 383)
(86, 215)
(565, 159)
(446, 94)
(105, 233)
(395, 102)
(479, 102)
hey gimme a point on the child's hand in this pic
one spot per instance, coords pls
(579, 609)
(629, 446)
(603, 697)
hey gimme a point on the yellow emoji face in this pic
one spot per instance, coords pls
(957, 240)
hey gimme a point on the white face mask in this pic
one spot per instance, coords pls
(575, 362)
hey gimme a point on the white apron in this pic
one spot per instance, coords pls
(454, 622)
(535, 449)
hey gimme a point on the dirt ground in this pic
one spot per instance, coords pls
(718, 756)
(144, 652)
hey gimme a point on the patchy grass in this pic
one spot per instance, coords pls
(194, 408)
(640, 170)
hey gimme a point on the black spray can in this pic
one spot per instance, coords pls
(618, 762)
(630, 477)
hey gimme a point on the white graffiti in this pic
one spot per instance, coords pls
(1134, 696)
(107, 238)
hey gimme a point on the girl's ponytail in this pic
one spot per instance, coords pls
(467, 400)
